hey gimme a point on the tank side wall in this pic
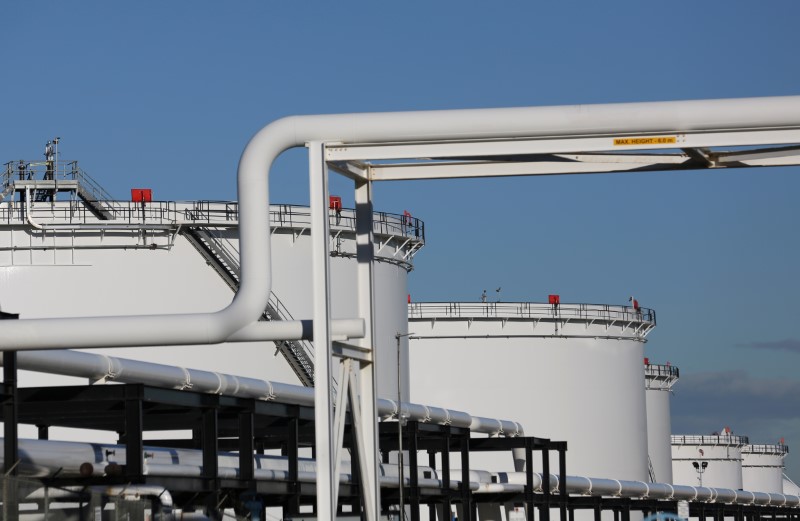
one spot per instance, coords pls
(588, 392)
(724, 468)
(762, 472)
(659, 429)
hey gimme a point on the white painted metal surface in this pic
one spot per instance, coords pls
(630, 121)
(659, 380)
(77, 267)
(762, 467)
(572, 374)
(722, 455)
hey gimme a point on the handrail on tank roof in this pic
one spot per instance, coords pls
(406, 127)
(766, 448)
(661, 371)
(528, 310)
(712, 439)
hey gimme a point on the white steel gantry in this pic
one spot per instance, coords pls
(575, 139)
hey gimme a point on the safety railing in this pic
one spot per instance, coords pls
(57, 171)
(661, 371)
(206, 213)
(713, 439)
(777, 449)
(528, 310)
(75, 212)
(295, 216)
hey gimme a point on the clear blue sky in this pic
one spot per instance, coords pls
(166, 94)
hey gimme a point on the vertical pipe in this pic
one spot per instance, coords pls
(365, 255)
(320, 267)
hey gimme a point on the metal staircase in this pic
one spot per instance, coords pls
(299, 353)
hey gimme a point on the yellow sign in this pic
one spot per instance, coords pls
(652, 140)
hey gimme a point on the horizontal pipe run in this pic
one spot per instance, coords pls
(43, 458)
(99, 367)
(579, 485)
(296, 330)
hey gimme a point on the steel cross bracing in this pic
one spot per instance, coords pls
(628, 152)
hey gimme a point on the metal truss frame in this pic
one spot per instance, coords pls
(630, 152)
(366, 163)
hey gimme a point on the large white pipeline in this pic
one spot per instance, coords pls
(42, 458)
(97, 366)
(253, 192)
(638, 489)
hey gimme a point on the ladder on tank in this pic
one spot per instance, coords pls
(298, 353)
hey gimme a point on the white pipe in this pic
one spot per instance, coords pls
(28, 209)
(579, 485)
(158, 493)
(253, 191)
(41, 458)
(96, 367)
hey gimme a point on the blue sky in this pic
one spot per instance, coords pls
(166, 94)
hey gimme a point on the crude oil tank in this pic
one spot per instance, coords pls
(569, 372)
(659, 380)
(75, 251)
(708, 460)
(762, 467)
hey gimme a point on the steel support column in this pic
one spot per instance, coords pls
(544, 510)
(320, 267)
(246, 445)
(11, 441)
(365, 255)
(134, 445)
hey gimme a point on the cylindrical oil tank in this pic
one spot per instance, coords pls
(659, 380)
(710, 461)
(762, 467)
(568, 372)
(73, 259)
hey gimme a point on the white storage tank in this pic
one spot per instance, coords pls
(708, 460)
(568, 372)
(70, 258)
(762, 467)
(659, 380)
